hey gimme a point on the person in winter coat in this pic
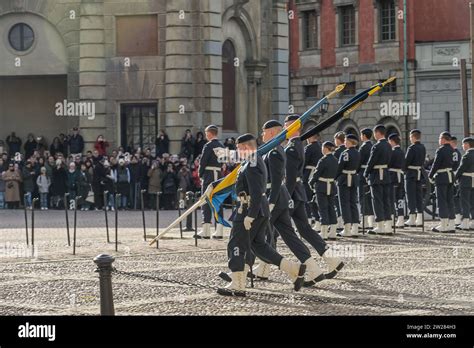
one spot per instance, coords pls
(162, 143)
(43, 183)
(56, 147)
(30, 146)
(135, 172)
(76, 142)
(12, 179)
(187, 145)
(72, 182)
(58, 184)
(28, 175)
(108, 183)
(2, 185)
(101, 145)
(84, 187)
(199, 144)
(98, 176)
(122, 179)
(169, 183)
(154, 183)
(14, 144)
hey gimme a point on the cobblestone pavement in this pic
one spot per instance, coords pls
(412, 273)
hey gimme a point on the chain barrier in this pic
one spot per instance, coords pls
(261, 294)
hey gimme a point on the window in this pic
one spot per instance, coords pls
(310, 30)
(390, 88)
(21, 37)
(139, 125)
(347, 25)
(350, 88)
(137, 35)
(387, 20)
(311, 92)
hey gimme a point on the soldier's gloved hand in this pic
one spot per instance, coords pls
(271, 207)
(248, 222)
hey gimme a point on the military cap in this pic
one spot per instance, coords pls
(211, 128)
(271, 124)
(244, 138)
(352, 137)
(290, 118)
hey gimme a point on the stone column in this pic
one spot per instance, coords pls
(92, 69)
(254, 79)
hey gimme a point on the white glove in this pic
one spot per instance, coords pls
(248, 222)
(271, 207)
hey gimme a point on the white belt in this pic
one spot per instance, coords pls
(380, 168)
(399, 173)
(349, 174)
(364, 166)
(418, 169)
(215, 170)
(328, 184)
(310, 167)
(446, 170)
(470, 175)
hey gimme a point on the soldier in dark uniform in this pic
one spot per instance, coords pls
(294, 173)
(339, 140)
(312, 155)
(322, 182)
(414, 179)
(441, 174)
(465, 179)
(397, 191)
(209, 171)
(364, 192)
(249, 224)
(347, 183)
(456, 161)
(278, 198)
(378, 178)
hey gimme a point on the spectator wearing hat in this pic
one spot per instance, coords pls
(75, 142)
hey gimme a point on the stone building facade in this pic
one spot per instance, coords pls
(145, 65)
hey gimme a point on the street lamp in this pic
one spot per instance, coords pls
(324, 108)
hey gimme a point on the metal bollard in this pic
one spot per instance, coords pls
(118, 196)
(180, 206)
(75, 225)
(395, 213)
(143, 213)
(66, 195)
(104, 268)
(26, 219)
(158, 218)
(33, 226)
(106, 203)
(196, 197)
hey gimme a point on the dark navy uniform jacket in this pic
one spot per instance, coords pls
(397, 163)
(443, 160)
(277, 192)
(380, 155)
(349, 163)
(252, 179)
(294, 169)
(209, 159)
(326, 169)
(456, 159)
(339, 151)
(466, 167)
(415, 157)
(312, 155)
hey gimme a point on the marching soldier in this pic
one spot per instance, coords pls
(414, 161)
(209, 171)
(347, 183)
(441, 174)
(465, 179)
(312, 155)
(278, 198)
(249, 224)
(339, 140)
(364, 196)
(322, 182)
(294, 172)
(377, 176)
(397, 163)
(456, 161)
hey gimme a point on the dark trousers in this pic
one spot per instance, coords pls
(326, 208)
(445, 201)
(298, 214)
(311, 205)
(414, 192)
(348, 204)
(467, 202)
(381, 202)
(457, 200)
(364, 198)
(397, 193)
(238, 247)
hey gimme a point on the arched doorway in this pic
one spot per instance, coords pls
(228, 86)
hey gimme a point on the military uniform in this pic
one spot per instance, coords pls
(312, 155)
(339, 150)
(209, 171)
(347, 183)
(465, 179)
(323, 182)
(457, 200)
(397, 192)
(414, 179)
(378, 178)
(253, 204)
(364, 194)
(442, 174)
